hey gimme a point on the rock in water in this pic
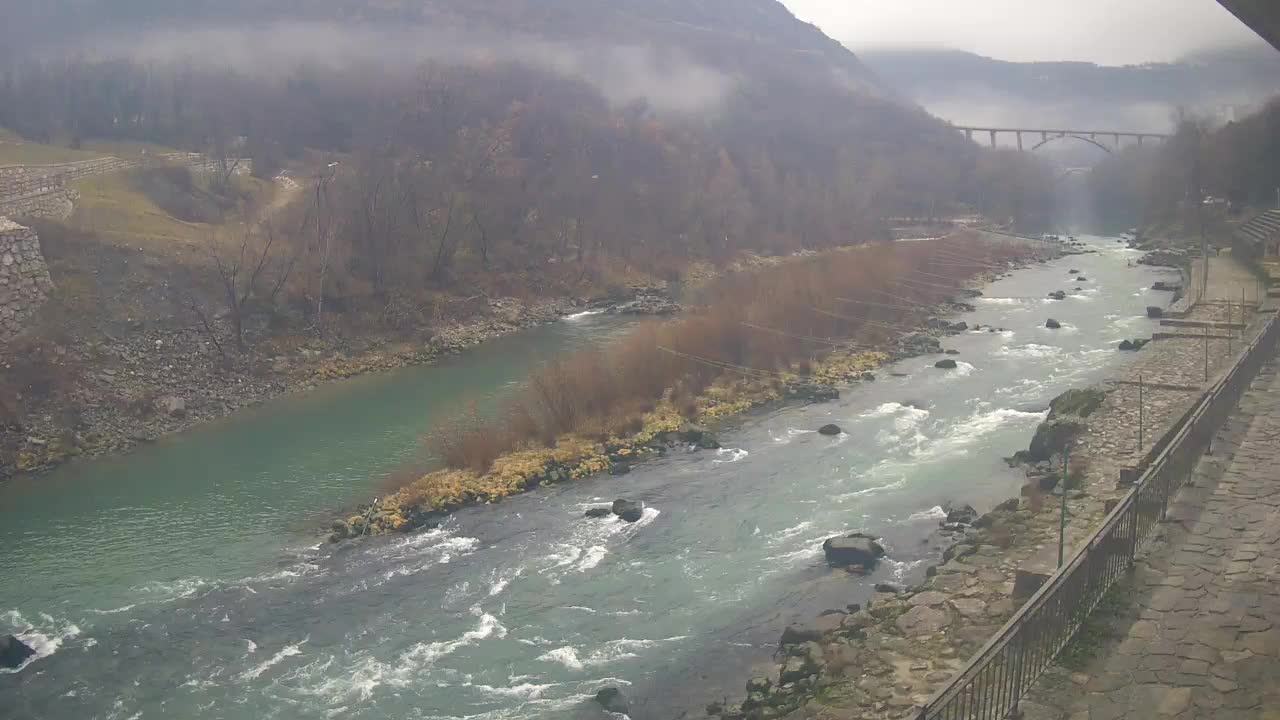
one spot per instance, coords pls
(1073, 271)
(612, 699)
(829, 430)
(628, 510)
(856, 550)
(1058, 295)
(793, 635)
(1154, 312)
(598, 512)
(1052, 324)
(1077, 401)
(698, 435)
(1127, 345)
(960, 513)
(1052, 436)
(1081, 278)
(13, 652)
(947, 364)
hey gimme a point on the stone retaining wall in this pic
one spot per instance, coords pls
(28, 179)
(54, 204)
(42, 190)
(24, 277)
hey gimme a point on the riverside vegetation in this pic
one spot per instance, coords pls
(794, 330)
(454, 165)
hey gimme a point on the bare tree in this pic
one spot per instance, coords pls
(322, 213)
(240, 270)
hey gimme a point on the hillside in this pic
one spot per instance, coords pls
(976, 89)
(432, 173)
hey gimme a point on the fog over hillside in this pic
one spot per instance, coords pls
(970, 89)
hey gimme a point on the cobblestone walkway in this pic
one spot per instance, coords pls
(1204, 637)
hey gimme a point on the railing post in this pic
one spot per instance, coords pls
(1133, 532)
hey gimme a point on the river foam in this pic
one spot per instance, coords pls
(44, 637)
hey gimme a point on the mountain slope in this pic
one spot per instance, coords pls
(969, 88)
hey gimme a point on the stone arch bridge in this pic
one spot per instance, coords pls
(1107, 140)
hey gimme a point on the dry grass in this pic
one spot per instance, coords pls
(765, 326)
(14, 150)
(17, 152)
(114, 208)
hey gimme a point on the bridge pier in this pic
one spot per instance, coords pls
(968, 133)
(1019, 134)
(993, 139)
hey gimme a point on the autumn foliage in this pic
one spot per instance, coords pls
(767, 324)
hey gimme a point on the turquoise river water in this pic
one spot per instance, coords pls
(187, 580)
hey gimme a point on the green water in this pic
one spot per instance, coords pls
(185, 581)
(215, 501)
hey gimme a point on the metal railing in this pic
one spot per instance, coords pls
(999, 674)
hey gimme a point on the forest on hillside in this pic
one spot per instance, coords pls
(517, 148)
(1238, 162)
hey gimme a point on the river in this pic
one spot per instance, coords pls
(185, 580)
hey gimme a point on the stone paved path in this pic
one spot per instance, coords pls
(1204, 641)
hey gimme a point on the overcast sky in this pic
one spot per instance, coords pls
(1111, 32)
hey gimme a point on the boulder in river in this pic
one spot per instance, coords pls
(960, 513)
(952, 352)
(793, 635)
(1081, 278)
(1154, 312)
(698, 435)
(829, 430)
(856, 550)
(1058, 295)
(1166, 286)
(1052, 324)
(628, 510)
(13, 652)
(1052, 436)
(612, 700)
(598, 512)
(919, 344)
(946, 364)
(1073, 271)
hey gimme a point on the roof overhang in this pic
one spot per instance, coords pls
(1263, 16)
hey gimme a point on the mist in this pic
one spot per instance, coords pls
(666, 79)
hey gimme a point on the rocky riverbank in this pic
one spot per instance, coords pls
(109, 384)
(139, 384)
(426, 501)
(887, 659)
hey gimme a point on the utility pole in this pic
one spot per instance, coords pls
(1197, 190)
(1062, 516)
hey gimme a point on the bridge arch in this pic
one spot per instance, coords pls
(1082, 138)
